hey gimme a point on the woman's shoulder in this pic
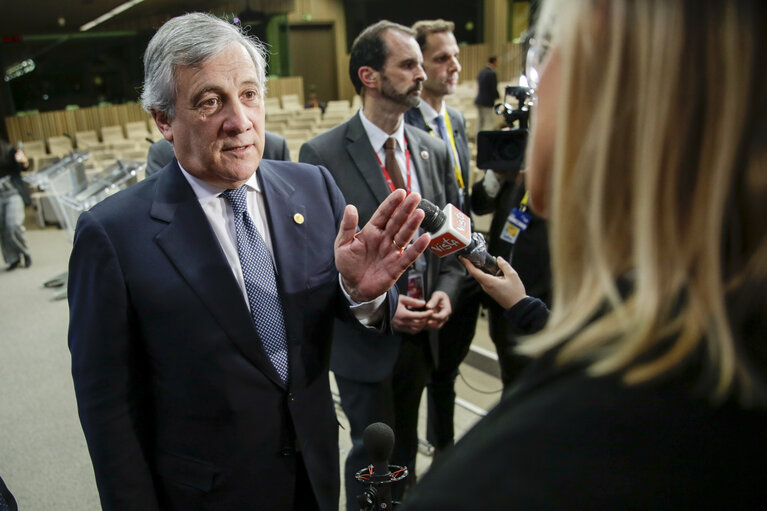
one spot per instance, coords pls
(562, 439)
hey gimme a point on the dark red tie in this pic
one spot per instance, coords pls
(392, 167)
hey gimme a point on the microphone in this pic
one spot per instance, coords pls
(378, 439)
(450, 231)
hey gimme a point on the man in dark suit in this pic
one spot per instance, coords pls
(487, 93)
(161, 152)
(383, 381)
(7, 502)
(202, 299)
(440, 62)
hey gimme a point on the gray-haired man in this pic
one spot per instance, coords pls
(202, 298)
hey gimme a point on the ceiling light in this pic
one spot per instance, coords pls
(111, 14)
(19, 69)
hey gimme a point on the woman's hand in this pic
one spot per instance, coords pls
(506, 289)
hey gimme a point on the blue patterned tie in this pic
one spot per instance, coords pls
(260, 283)
(443, 134)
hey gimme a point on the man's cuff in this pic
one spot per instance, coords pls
(369, 314)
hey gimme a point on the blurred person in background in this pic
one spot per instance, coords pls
(487, 94)
(648, 156)
(13, 197)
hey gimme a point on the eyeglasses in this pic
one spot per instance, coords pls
(535, 55)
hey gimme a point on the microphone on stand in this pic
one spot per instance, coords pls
(378, 439)
(450, 231)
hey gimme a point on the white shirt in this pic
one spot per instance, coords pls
(378, 137)
(221, 219)
(430, 115)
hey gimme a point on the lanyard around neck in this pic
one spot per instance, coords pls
(450, 143)
(389, 181)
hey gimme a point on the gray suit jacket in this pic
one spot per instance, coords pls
(346, 152)
(161, 152)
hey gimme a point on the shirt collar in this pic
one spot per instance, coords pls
(377, 136)
(429, 113)
(206, 191)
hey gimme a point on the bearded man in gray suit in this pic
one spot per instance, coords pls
(383, 379)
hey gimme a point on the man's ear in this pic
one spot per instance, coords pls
(368, 76)
(163, 124)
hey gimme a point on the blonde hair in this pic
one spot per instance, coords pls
(659, 179)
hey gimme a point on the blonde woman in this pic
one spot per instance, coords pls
(649, 157)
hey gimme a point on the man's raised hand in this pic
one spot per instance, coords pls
(370, 261)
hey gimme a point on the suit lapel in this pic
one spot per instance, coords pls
(192, 247)
(291, 251)
(285, 220)
(414, 117)
(364, 158)
(422, 162)
(461, 145)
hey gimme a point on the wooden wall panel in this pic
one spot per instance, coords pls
(328, 11)
(509, 62)
(288, 85)
(474, 57)
(496, 25)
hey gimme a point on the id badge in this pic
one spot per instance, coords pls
(515, 223)
(415, 284)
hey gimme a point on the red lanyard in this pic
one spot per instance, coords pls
(386, 172)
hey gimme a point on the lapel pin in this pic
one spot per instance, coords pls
(298, 218)
(425, 155)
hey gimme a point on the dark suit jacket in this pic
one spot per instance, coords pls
(564, 440)
(180, 406)
(414, 118)
(161, 152)
(487, 87)
(346, 151)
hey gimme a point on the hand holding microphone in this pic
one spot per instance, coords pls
(506, 289)
(450, 231)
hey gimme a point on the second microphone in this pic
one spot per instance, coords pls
(450, 231)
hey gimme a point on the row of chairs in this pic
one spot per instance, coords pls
(290, 103)
(120, 139)
(297, 124)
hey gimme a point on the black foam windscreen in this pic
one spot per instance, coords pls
(434, 217)
(378, 439)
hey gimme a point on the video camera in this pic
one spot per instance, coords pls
(504, 150)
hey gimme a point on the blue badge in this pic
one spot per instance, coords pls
(517, 222)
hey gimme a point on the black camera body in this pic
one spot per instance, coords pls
(504, 150)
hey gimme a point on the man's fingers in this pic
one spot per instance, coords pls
(403, 230)
(404, 222)
(348, 227)
(387, 208)
(409, 301)
(412, 252)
